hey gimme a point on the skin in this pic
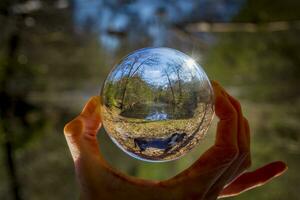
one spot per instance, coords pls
(218, 173)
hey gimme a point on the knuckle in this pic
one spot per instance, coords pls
(231, 153)
(245, 165)
(246, 122)
(228, 153)
(244, 149)
(238, 105)
(74, 127)
(232, 114)
(243, 153)
(246, 162)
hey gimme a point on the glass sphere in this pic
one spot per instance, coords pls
(157, 104)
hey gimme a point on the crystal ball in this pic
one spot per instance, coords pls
(157, 104)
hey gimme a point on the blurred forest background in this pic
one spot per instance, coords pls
(55, 54)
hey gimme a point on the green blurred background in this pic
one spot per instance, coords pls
(54, 55)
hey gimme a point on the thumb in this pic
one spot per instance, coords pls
(81, 132)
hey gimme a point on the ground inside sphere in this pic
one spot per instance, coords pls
(157, 104)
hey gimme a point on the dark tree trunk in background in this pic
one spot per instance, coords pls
(11, 167)
(7, 112)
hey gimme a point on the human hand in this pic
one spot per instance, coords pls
(216, 174)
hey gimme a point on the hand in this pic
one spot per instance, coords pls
(216, 174)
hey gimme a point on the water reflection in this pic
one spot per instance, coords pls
(157, 115)
(149, 112)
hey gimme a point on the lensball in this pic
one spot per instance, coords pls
(157, 104)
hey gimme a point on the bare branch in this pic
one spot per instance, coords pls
(242, 27)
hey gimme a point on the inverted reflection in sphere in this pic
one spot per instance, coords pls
(157, 104)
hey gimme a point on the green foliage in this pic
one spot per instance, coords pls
(111, 92)
(265, 64)
(268, 10)
(138, 92)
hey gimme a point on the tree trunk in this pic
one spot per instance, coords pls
(179, 85)
(170, 84)
(9, 110)
(11, 167)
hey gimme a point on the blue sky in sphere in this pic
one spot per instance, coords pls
(156, 74)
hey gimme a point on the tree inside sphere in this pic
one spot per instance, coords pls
(157, 104)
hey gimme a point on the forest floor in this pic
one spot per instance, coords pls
(126, 131)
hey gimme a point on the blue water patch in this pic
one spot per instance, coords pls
(155, 116)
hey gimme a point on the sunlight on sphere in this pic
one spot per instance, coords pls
(157, 104)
